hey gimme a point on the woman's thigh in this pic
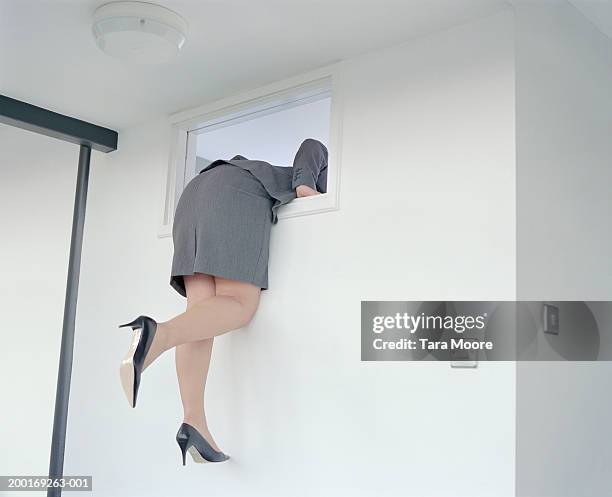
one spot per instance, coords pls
(199, 286)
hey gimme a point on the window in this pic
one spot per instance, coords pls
(266, 124)
(273, 136)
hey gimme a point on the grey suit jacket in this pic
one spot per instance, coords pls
(309, 168)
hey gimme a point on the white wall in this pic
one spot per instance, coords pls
(427, 212)
(564, 158)
(564, 234)
(37, 183)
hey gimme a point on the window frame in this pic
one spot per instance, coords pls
(186, 125)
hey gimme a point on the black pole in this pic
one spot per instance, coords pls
(62, 394)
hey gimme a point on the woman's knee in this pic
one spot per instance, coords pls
(245, 294)
(248, 312)
(246, 308)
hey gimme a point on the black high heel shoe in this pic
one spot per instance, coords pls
(131, 367)
(190, 440)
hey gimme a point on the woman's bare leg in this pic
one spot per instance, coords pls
(193, 360)
(232, 307)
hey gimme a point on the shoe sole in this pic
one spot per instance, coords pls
(126, 370)
(195, 455)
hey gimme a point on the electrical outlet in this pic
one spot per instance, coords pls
(461, 358)
(551, 319)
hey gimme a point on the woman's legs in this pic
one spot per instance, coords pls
(209, 300)
(193, 360)
(232, 307)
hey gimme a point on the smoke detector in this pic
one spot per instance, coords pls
(139, 32)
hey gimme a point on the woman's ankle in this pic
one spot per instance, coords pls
(200, 424)
(197, 422)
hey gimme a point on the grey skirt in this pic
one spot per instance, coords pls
(222, 227)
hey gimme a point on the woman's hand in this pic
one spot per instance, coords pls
(305, 191)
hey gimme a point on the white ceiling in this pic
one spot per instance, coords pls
(48, 56)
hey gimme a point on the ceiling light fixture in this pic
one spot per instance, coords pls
(139, 32)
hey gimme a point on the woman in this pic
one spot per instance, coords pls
(221, 236)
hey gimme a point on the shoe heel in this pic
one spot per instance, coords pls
(183, 445)
(136, 323)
